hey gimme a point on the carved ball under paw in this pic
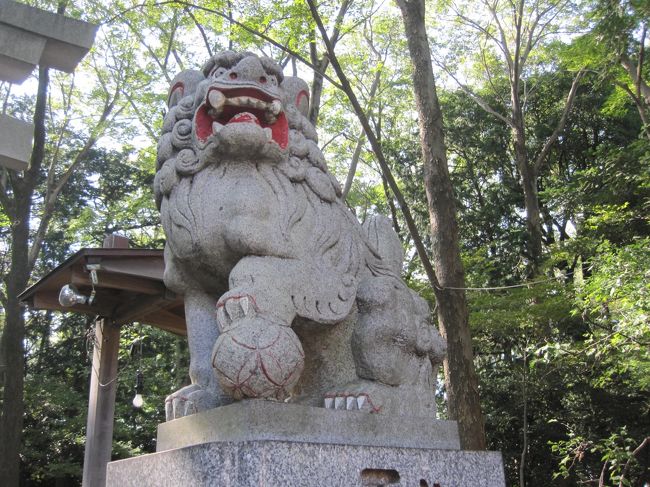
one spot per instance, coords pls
(258, 359)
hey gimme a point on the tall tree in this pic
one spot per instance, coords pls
(462, 386)
(461, 381)
(30, 197)
(514, 30)
(617, 48)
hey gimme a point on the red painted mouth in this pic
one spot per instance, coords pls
(242, 105)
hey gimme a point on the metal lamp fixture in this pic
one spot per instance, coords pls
(138, 400)
(70, 295)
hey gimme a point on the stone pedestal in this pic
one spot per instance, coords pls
(258, 443)
(287, 464)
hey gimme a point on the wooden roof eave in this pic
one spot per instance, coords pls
(129, 287)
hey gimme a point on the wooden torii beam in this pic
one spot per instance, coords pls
(128, 286)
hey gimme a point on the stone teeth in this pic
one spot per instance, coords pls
(257, 103)
(216, 127)
(246, 101)
(329, 403)
(339, 403)
(216, 99)
(268, 132)
(351, 403)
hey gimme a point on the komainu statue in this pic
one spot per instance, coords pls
(287, 296)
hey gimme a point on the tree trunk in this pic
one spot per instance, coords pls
(316, 92)
(11, 421)
(13, 351)
(528, 176)
(460, 376)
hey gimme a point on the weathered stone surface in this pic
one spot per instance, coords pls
(287, 296)
(66, 40)
(285, 464)
(15, 142)
(266, 420)
(20, 52)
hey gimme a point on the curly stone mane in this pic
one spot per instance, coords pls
(300, 181)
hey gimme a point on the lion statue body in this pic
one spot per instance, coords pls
(287, 296)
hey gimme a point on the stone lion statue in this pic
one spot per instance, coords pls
(287, 296)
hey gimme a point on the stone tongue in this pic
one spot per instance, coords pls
(244, 117)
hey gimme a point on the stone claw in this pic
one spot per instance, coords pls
(351, 402)
(233, 307)
(188, 400)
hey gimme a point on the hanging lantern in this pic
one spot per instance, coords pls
(138, 400)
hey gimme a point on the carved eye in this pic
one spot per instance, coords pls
(218, 71)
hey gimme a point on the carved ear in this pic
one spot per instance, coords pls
(183, 84)
(176, 92)
(386, 242)
(302, 102)
(296, 93)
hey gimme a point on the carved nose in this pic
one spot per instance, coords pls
(249, 68)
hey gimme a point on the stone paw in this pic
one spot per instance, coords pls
(234, 306)
(189, 400)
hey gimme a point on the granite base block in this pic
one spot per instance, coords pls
(289, 464)
(265, 420)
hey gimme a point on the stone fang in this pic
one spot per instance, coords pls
(276, 107)
(216, 100)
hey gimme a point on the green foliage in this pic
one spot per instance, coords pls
(56, 391)
(615, 453)
(572, 349)
(615, 300)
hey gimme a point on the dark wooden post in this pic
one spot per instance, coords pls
(101, 401)
(101, 404)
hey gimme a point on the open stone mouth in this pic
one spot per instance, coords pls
(242, 105)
